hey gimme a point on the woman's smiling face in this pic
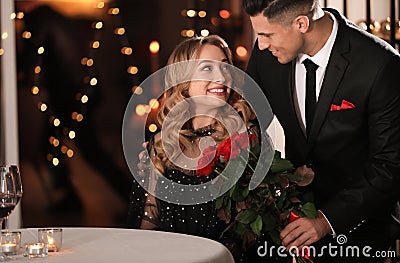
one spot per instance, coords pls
(212, 76)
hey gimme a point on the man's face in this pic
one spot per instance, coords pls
(285, 42)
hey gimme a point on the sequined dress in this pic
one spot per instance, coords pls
(199, 220)
(147, 212)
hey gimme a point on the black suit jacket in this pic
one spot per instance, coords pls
(355, 152)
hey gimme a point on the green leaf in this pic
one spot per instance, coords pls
(293, 177)
(219, 202)
(272, 178)
(299, 213)
(309, 210)
(274, 234)
(241, 193)
(281, 200)
(264, 193)
(240, 229)
(256, 149)
(280, 165)
(237, 194)
(245, 192)
(269, 222)
(229, 207)
(232, 190)
(247, 216)
(256, 225)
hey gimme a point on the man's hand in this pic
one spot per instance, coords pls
(304, 231)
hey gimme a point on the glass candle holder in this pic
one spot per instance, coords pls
(52, 237)
(36, 250)
(10, 242)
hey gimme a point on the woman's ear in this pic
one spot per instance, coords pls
(303, 23)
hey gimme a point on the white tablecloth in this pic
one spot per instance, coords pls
(114, 245)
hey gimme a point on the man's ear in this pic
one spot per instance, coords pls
(302, 23)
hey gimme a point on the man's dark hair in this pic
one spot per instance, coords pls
(278, 10)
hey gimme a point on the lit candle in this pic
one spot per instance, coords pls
(10, 242)
(35, 250)
(52, 237)
(50, 244)
(9, 248)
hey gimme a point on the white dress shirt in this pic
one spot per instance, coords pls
(321, 59)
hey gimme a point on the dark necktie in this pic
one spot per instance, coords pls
(311, 97)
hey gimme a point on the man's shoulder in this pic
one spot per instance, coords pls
(360, 40)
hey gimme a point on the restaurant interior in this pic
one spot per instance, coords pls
(78, 63)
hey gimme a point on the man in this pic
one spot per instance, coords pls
(349, 136)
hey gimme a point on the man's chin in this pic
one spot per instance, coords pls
(283, 60)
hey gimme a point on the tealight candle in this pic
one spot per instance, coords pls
(9, 248)
(10, 242)
(36, 250)
(52, 237)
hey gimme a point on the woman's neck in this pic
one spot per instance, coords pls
(202, 121)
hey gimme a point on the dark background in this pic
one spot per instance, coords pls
(93, 186)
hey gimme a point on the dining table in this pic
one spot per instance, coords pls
(115, 245)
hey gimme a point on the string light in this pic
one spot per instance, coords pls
(133, 70)
(137, 90)
(154, 104)
(241, 51)
(71, 134)
(100, 5)
(119, 31)
(140, 110)
(70, 153)
(202, 14)
(204, 32)
(91, 81)
(154, 47)
(190, 33)
(55, 161)
(35, 90)
(225, 14)
(191, 13)
(152, 127)
(84, 99)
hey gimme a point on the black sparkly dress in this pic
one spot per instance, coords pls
(147, 212)
(200, 220)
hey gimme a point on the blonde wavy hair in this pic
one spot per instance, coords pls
(189, 50)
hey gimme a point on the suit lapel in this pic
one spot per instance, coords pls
(334, 72)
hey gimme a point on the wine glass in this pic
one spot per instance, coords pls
(8, 196)
(8, 193)
(18, 182)
(18, 186)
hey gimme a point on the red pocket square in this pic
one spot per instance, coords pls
(345, 105)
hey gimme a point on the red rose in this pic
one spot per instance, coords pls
(206, 163)
(231, 148)
(305, 253)
(293, 216)
(224, 149)
(241, 140)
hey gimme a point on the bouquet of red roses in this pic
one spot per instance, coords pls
(265, 210)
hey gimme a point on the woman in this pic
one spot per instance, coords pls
(198, 105)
